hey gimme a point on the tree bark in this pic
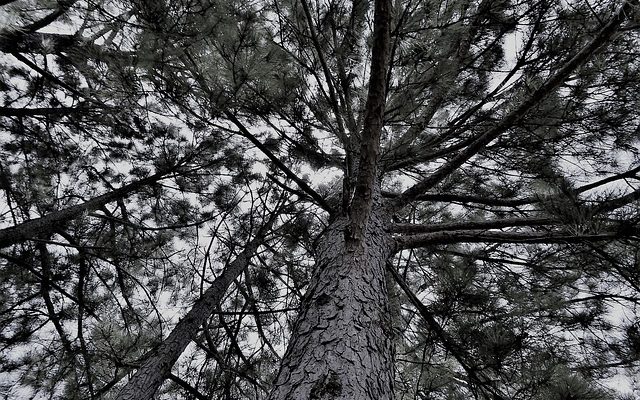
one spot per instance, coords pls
(341, 345)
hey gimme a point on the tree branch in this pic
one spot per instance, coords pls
(52, 221)
(41, 111)
(187, 387)
(627, 174)
(471, 236)
(463, 198)
(491, 201)
(281, 166)
(481, 141)
(327, 75)
(156, 368)
(472, 225)
(63, 7)
(454, 348)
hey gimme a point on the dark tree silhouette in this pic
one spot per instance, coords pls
(320, 199)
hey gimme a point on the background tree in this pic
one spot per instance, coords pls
(416, 199)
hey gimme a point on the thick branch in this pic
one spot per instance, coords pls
(373, 120)
(52, 221)
(498, 202)
(464, 198)
(619, 202)
(472, 225)
(40, 111)
(187, 387)
(54, 43)
(63, 7)
(36, 42)
(472, 236)
(627, 174)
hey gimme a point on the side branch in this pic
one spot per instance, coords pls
(464, 198)
(278, 163)
(517, 202)
(477, 145)
(40, 111)
(472, 225)
(52, 221)
(335, 105)
(458, 352)
(472, 236)
(149, 377)
(34, 42)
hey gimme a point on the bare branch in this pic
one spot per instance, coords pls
(472, 225)
(454, 348)
(472, 236)
(278, 163)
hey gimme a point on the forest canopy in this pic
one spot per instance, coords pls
(320, 199)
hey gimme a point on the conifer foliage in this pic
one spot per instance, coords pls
(320, 199)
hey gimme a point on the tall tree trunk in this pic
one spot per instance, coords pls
(341, 347)
(152, 373)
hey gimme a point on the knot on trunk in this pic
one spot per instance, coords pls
(323, 299)
(329, 387)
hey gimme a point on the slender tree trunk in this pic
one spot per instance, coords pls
(341, 347)
(148, 378)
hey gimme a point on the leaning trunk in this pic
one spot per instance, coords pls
(341, 347)
(152, 373)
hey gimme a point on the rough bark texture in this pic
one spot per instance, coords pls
(156, 369)
(341, 346)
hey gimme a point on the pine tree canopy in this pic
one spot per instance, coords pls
(320, 199)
